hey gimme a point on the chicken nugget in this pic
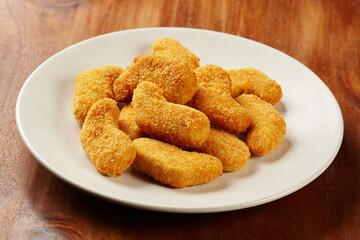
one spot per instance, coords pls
(127, 123)
(252, 81)
(267, 126)
(230, 150)
(213, 98)
(175, 78)
(91, 86)
(177, 124)
(110, 150)
(172, 166)
(214, 76)
(173, 49)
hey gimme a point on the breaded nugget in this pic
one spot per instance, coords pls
(213, 98)
(230, 150)
(127, 123)
(175, 78)
(173, 49)
(172, 166)
(252, 81)
(110, 150)
(91, 86)
(267, 126)
(177, 124)
(213, 75)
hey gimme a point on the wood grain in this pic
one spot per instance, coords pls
(323, 35)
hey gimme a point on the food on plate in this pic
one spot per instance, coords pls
(173, 49)
(253, 81)
(213, 75)
(175, 78)
(177, 120)
(213, 98)
(91, 86)
(172, 166)
(230, 150)
(176, 124)
(110, 150)
(127, 122)
(267, 126)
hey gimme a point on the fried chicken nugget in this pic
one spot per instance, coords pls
(110, 150)
(252, 81)
(175, 78)
(127, 123)
(176, 124)
(230, 150)
(213, 98)
(172, 166)
(173, 49)
(267, 126)
(91, 86)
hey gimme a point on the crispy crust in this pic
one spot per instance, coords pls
(267, 126)
(214, 76)
(173, 49)
(175, 78)
(172, 166)
(230, 150)
(214, 99)
(110, 150)
(252, 81)
(91, 86)
(127, 123)
(174, 123)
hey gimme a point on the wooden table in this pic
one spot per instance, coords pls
(323, 34)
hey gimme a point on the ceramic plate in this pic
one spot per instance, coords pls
(313, 117)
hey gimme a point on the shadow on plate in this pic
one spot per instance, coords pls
(141, 180)
(275, 155)
(280, 107)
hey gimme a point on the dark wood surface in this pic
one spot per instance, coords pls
(322, 34)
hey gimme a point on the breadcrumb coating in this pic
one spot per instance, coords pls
(127, 123)
(213, 75)
(267, 126)
(110, 150)
(176, 124)
(91, 86)
(213, 98)
(253, 81)
(173, 49)
(175, 78)
(172, 166)
(230, 150)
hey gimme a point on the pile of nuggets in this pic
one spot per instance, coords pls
(179, 122)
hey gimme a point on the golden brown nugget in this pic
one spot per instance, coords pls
(173, 49)
(127, 123)
(172, 166)
(252, 81)
(110, 150)
(230, 150)
(91, 86)
(175, 78)
(267, 126)
(213, 98)
(215, 76)
(177, 124)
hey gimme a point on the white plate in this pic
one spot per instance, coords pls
(313, 117)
